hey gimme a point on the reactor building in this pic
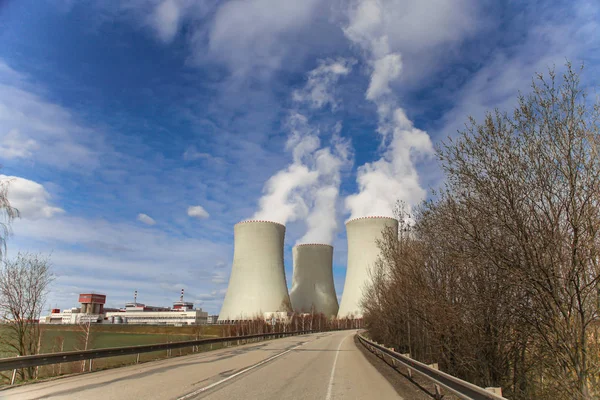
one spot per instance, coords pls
(312, 281)
(362, 234)
(257, 282)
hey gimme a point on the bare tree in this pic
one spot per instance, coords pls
(7, 214)
(534, 178)
(498, 278)
(85, 337)
(24, 283)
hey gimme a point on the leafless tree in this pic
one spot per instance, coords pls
(7, 214)
(498, 276)
(24, 283)
(85, 337)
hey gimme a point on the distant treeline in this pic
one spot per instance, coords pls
(496, 278)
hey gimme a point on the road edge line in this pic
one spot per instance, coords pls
(212, 385)
(337, 353)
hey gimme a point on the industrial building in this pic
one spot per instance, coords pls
(257, 283)
(170, 317)
(92, 303)
(313, 290)
(363, 252)
(182, 313)
(92, 310)
(70, 316)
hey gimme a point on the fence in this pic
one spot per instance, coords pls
(460, 388)
(15, 363)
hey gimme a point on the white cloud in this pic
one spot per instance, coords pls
(166, 19)
(394, 176)
(30, 198)
(197, 212)
(283, 200)
(422, 31)
(35, 129)
(308, 188)
(249, 34)
(549, 42)
(319, 90)
(385, 70)
(16, 145)
(146, 219)
(118, 258)
(191, 153)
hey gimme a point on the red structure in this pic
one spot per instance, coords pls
(92, 303)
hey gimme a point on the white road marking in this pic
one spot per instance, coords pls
(197, 392)
(330, 387)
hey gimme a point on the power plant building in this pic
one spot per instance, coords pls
(92, 310)
(257, 283)
(363, 252)
(313, 290)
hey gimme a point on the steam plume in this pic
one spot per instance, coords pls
(394, 176)
(308, 189)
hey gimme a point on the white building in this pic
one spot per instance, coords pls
(182, 313)
(172, 317)
(72, 316)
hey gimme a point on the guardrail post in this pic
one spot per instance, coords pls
(495, 390)
(137, 359)
(14, 375)
(438, 390)
(91, 363)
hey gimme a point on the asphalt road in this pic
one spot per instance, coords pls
(318, 366)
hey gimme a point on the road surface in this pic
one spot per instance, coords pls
(318, 366)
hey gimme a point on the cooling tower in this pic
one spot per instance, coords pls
(363, 251)
(312, 283)
(257, 283)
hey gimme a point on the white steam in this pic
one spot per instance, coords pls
(394, 176)
(308, 189)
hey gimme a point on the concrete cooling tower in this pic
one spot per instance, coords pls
(362, 235)
(257, 283)
(312, 282)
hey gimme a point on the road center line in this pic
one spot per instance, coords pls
(337, 353)
(212, 385)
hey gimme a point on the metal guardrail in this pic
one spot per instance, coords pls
(462, 389)
(13, 363)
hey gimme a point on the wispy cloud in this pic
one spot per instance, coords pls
(555, 35)
(146, 219)
(197, 212)
(320, 88)
(119, 257)
(37, 130)
(308, 188)
(394, 176)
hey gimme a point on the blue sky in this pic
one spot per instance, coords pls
(117, 117)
